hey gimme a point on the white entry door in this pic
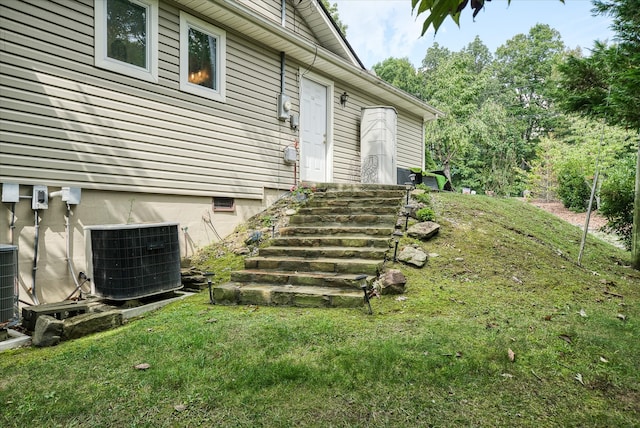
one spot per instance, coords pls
(313, 132)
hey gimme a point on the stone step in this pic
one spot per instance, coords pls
(315, 279)
(319, 202)
(342, 209)
(339, 187)
(327, 252)
(332, 241)
(337, 231)
(287, 295)
(320, 264)
(342, 232)
(361, 194)
(343, 220)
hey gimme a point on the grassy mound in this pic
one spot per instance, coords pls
(500, 328)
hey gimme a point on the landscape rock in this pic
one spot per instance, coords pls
(424, 231)
(412, 255)
(48, 331)
(93, 322)
(392, 281)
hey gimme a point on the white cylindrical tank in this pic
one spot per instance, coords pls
(378, 145)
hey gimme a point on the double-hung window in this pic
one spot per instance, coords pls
(126, 37)
(202, 58)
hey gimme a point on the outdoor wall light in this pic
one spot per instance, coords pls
(343, 99)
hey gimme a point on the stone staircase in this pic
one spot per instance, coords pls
(338, 240)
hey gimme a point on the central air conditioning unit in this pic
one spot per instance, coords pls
(8, 283)
(133, 261)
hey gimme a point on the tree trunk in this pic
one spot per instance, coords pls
(446, 169)
(635, 237)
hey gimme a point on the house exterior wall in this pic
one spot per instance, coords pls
(347, 130)
(69, 122)
(140, 151)
(146, 152)
(273, 11)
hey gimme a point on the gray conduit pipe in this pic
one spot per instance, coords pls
(34, 296)
(282, 72)
(12, 225)
(67, 230)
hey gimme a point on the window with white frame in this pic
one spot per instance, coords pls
(202, 58)
(126, 37)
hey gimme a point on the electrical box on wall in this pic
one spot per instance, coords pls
(10, 192)
(71, 195)
(284, 106)
(295, 121)
(40, 198)
(290, 154)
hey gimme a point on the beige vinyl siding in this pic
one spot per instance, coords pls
(70, 123)
(272, 11)
(410, 141)
(268, 9)
(297, 24)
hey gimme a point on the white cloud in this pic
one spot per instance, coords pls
(380, 29)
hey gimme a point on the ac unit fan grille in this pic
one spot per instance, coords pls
(131, 263)
(8, 281)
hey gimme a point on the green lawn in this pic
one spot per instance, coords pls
(505, 278)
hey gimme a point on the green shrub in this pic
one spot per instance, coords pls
(572, 187)
(425, 214)
(423, 198)
(616, 196)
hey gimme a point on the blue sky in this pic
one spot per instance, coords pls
(379, 29)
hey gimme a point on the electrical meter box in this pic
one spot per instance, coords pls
(40, 198)
(284, 106)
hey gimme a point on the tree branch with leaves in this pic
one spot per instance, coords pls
(439, 10)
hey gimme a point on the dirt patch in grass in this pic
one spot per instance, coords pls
(596, 222)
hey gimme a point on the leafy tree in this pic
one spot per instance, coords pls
(542, 178)
(606, 85)
(481, 54)
(525, 66)
(438, 10)
(401, 74)
(452, 85)
(617, 195)
(434, 57)
(573, 189)
(489, 133)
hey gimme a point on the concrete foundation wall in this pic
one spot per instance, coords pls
(53, 279)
